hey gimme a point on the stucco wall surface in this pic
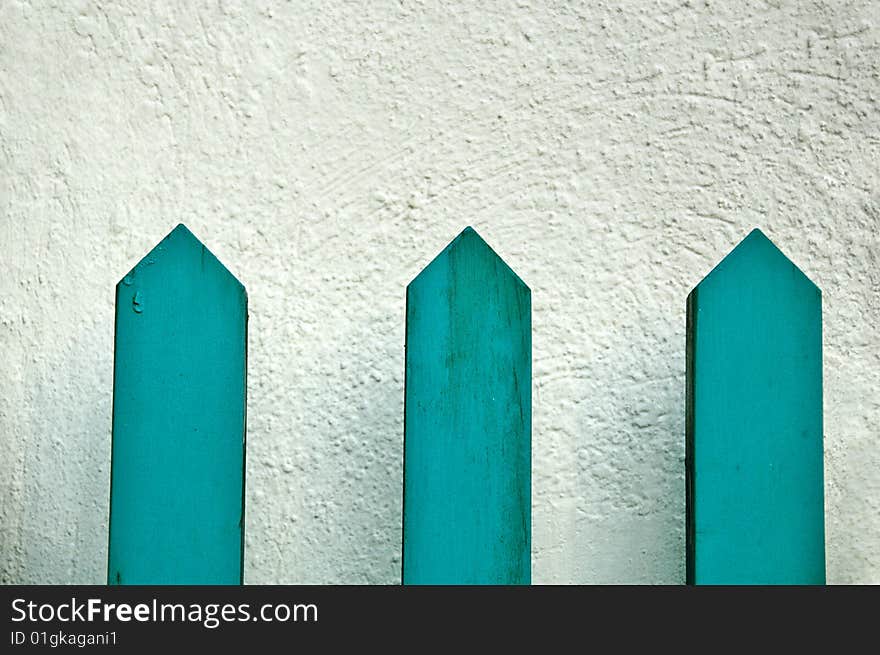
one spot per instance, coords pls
(612, 153)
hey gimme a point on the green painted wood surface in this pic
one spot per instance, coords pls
(754, 456)
(177, 481)
(467, 443)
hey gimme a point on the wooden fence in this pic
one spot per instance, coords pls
(754, 467)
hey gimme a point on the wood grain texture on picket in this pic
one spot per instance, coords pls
(754, 456)
(177, 482)
(467, 444)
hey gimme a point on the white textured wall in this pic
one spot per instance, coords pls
(325, 151)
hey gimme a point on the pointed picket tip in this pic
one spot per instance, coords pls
(755, 249)
(179, 419)
(467, 420)
(753, 422)
(469, 238)
(179, 243)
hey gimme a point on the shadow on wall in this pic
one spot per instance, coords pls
(617, 512)
(369, 480)
(324, 480)
(640, 538)
(62, 535)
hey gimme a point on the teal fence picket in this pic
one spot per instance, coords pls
(754, 460)
(177, 480)
(467, 441)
